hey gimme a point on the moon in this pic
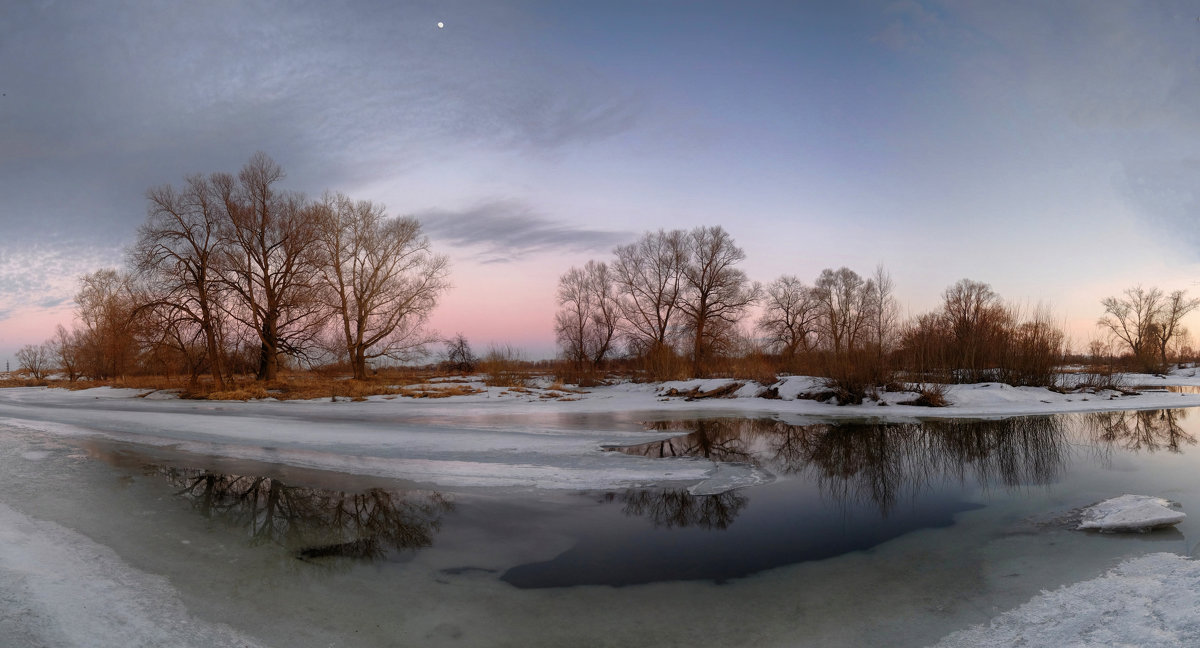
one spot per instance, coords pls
(441, 24)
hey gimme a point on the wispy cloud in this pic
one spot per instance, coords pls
(506, 230)
(40, 278)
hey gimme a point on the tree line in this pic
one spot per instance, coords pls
(676, 305)
(231, 274)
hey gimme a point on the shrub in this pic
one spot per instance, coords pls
(504, 367)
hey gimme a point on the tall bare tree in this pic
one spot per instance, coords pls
(649, 274)
(789, 318)
(715, 291)
(107, 308)
(1145, 321)
(176, 256)
(383, 279)
(977, 322)
(586, 323)
(1132, 318)
(269, 262)
(844, 300)
(1168, 326)
(66, 347)
(884, 310)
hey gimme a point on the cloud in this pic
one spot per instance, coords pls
(507, 230)
(909, 25)
(40, 278)
(103, 102)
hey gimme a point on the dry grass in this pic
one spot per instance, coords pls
(504, 368)
(929, 395)
(243, 394)
(437, 391)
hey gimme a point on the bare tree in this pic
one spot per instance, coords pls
(586, 323)
(977, 322)
(459, 355)
(36, 360)
(883, 309)
(176, 256)
(106, 306)
(65, 347)
(789, 318)
(1167, 323)
(269, 262)
(1132, 319)
(383, 279)
(715, 290)
(648, 274)
(843, 298)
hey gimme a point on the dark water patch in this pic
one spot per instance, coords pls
(879, 463)
(844, 487)
(693, 538)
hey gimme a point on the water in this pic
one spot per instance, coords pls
(871, 534)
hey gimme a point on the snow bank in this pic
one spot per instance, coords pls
(1130, 513)
(58, 588)
(1148, 602)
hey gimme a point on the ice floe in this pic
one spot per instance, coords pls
(1130, 513)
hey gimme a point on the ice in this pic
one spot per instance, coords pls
(729, 477)
(1148, 601)
(58, 588)
(1130, 513)
(497, 438)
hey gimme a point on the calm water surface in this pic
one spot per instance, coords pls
(870, 534)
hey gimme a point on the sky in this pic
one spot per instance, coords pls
(1050, 149)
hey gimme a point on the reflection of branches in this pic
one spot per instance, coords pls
(876, 461)
(679, 508)
(315, 522)
(715, 439)
(1149, 430)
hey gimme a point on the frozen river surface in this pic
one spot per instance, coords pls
(126, 522)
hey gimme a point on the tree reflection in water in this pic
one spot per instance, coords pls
(679, 508)
(866, 462)
(1149, 430)
(315, 523)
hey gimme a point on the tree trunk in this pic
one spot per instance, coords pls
(359, 362)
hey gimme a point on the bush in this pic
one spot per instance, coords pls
(504, 367)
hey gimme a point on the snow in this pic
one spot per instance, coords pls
(58, 588)
(1130, 513)
(1147, 601)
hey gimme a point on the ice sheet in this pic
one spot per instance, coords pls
(1148, 601)
(58, 588)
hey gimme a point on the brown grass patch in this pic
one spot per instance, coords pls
(427, 391)
(929, 395)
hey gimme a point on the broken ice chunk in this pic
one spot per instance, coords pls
(1130, 513)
